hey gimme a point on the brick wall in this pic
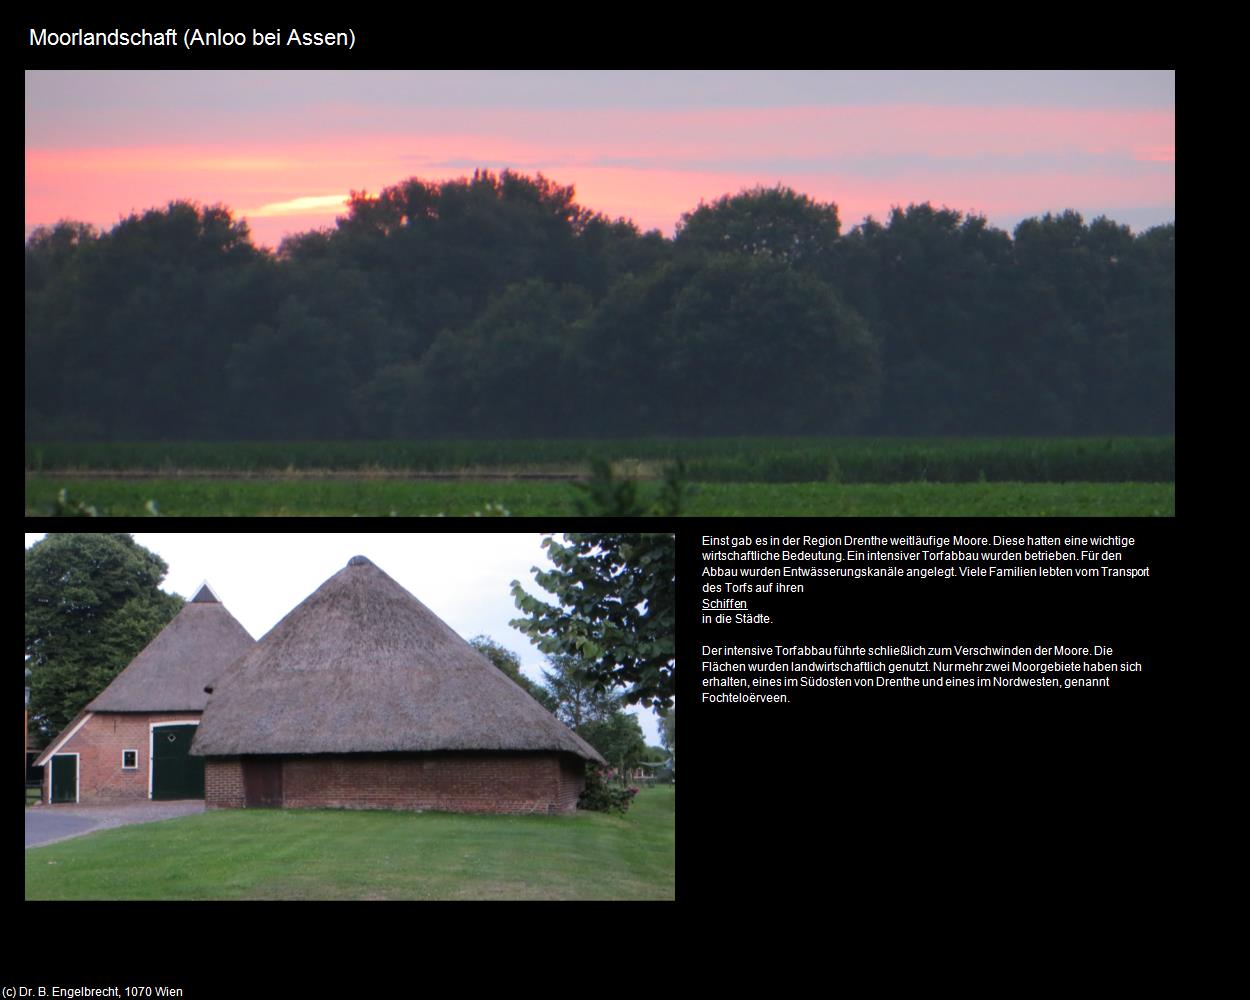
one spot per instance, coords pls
(223, 782)
(450, 782)
(99, 744)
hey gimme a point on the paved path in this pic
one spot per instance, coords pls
(47, 824)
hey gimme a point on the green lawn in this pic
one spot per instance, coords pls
(383, 497)
(328, 854)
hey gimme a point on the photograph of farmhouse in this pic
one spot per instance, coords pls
(357, 706)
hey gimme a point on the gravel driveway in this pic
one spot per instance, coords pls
(47, 824)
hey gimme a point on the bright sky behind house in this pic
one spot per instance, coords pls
(463, 578)
(284, 149)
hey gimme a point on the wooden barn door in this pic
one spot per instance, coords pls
(175, 773)
(64, 777)
(262, 782)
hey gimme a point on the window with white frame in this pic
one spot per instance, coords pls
(130, 760)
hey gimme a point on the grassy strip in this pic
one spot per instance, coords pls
(323, 854)
(380, 498)
(938, 500)
(848, 460)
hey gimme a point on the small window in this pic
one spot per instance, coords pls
(130, 760)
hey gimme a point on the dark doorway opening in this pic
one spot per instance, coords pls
(262, 782)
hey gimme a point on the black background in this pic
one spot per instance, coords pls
(848, 792)
(844, 837)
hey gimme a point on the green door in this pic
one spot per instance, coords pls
(175, 773)
(65, 777)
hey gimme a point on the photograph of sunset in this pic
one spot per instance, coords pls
(668, 292)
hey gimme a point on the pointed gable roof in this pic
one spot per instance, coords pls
(205, 595)
(363, 666)
(189, 653)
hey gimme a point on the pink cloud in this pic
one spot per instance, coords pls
(1155, 154)
(646, 165)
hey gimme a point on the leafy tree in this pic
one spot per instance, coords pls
(624, 340)
(615, 611)
(728, 344)
(1110, 318)
(148, 313)
(55, 267)
(92, 603)
(610, 251)
(1145, 313)
(655, 755)
(965, 334)
(753, 346)
(441, 251)
(619, 738)
(775, 222)
(578, 701)
(511, 367)
(508, 662)
(51, 250)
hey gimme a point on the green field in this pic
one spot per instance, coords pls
(383, 498)
(720, 477)
(325, 854)
(847, 460)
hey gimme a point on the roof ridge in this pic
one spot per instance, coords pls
(205, 595)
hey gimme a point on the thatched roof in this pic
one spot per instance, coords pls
(170, 674)
(172, 671)
(362, 666)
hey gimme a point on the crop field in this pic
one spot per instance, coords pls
(710, 477)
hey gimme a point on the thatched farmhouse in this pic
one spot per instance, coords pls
(363, 698)
(132, 741)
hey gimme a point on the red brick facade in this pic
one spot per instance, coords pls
(100, 742)
(223, 782)
(449, 782)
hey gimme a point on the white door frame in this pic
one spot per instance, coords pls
(77, 774)
(152, 728)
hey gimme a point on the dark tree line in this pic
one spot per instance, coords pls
(496, 306)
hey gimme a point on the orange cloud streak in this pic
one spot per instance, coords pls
(311, 205)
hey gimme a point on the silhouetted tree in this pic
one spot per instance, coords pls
(777, 222)
(496, 305)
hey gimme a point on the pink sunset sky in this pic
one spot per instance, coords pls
(283, 149)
